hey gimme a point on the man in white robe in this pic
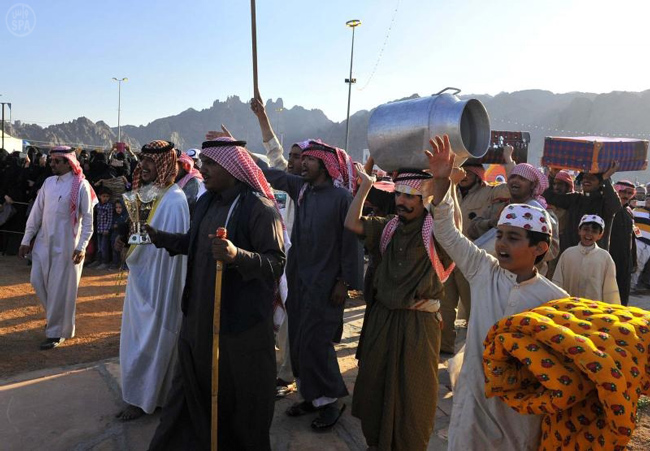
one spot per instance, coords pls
(500, 287)
(62, 223)
(152, 305)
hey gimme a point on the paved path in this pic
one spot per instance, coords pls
(73, 408)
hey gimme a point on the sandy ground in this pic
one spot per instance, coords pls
(22, 320)
(99, 310)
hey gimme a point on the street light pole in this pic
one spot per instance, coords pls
(2, 146)
(119, 105)
(352, 24)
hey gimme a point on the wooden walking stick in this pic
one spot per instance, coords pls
(256, 91)
(222, 233)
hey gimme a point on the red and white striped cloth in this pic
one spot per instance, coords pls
(411, 182)
(192, 173)
(234, 158)
(78, 178)
(565, 177)
(540, 181)
(338, 164)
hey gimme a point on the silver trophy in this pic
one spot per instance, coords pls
(139, 204)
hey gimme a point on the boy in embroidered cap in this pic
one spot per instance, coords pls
(500, 286)
(586, 270)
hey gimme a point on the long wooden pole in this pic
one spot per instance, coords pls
(256, 91)
(222, 233)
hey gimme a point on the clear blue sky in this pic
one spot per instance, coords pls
(179, 55)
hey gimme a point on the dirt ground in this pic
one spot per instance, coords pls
(22, 320)
(99, 313)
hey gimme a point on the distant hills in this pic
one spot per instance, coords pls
(542, 113)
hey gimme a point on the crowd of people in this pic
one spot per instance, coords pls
(445, 249)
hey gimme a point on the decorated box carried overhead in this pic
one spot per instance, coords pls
(498, 139)
(594, 153)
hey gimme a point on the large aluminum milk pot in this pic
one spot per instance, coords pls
(399, 132)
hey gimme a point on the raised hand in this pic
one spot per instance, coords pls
(508, 150)
(258, 107)
(613, 167)
(364, 179)
(213, 134)
(441, 157)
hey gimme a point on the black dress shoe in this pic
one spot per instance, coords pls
(51, 343)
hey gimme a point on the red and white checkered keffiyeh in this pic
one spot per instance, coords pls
(540, 182)
(236, 160)
(411, 182)
(78, 178)
(192, 173)
(338, 164)
(564, 176)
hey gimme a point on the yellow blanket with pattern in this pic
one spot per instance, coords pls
(582, 364)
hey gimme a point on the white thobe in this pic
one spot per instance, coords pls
(588, 272)
(479, 423)
(152, 309)
(54, 276)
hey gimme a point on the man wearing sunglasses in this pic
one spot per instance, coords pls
(61, 222)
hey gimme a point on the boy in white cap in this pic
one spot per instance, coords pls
(500, 286)
(586, 270)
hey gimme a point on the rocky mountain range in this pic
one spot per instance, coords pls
(542, 113)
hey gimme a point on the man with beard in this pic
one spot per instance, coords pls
(152, 313)
(239, 198)
(396, 390)
(61, 220)
(598, 198)
(321, 267)
(622, 246)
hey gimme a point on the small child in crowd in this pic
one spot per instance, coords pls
(586, 270)
(104, 216)
(119, 228)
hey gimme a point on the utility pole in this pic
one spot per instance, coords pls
(3, 121)
(119, 105)
(352, 24)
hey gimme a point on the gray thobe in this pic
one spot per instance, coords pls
(322, 252)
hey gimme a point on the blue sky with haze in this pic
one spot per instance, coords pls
(179, 55)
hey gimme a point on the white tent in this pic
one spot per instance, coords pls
(11, 144)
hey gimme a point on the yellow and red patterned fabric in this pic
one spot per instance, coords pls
(582, 364)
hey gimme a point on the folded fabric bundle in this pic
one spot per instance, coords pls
(582, 364)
